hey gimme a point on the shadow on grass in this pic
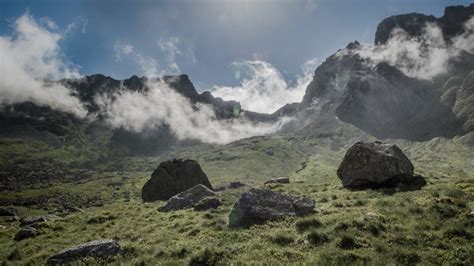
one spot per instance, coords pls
(390, 188)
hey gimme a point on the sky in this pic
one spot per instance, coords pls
(208, 40)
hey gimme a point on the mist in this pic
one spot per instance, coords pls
(422, 57)
(30, 56)
(161, 105)
(262, 87)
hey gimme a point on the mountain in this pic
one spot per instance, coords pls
(382, 100)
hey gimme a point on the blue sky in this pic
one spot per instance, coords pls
(210, 35)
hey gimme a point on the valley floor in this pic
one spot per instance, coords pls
(431, 225)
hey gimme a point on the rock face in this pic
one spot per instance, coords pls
(207, 203)
(96, 249)
(260, 205)
(374, 164)
(173, 177)
(189, 198)
(26, 232)
(451, 23)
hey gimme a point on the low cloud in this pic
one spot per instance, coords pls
(161, 105)
(30, 56)
(422, 57)
(262, 87)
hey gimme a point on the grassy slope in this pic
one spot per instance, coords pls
(431, 225)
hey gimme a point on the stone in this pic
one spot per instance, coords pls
(258, 206)
(31, 220)
(96, 249)
(173, 177)
(26, 232)
(207, 203)
(279, 180)
(374, 164)
(8, 212)
(187, 199)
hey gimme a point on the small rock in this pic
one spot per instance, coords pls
(234, 185)
(260, 205)
(188, 198)
(207, 203)
(278, 180)
(26, 232)
(269, 152)
(231, 185)
(30, 220)
(95, 249)
(2, 226)
(8, 212)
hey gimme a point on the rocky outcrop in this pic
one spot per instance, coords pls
(412, 23)
(95, 249)
(32, 220)
(374, 164)
(451, 23)
(8, 212)
(464, 102)
(190, 198)
(26, 232)
(258, 206)
(207, 203)
(173, 177)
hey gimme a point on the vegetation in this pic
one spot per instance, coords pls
(431, 225)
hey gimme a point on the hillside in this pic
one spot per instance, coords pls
(83, 176)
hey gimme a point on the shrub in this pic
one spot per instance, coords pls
(282, 239)
(305, 224)
(406, 257)
(317, 238)
(347, 242)
(207, 257)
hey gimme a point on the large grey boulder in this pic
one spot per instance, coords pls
(374, 164)
(188, 199)
(260, 205)
(173, 177)
(94, 249)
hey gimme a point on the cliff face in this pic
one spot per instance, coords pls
(380, 99)
(451, 23)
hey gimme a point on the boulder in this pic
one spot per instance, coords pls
(374, 164)
(26, 232)
(279, 180)
(8, 212)
(173, 177)
(95, 249)
(32, 220)
(207, 203)
(188, 198)
(260, 205)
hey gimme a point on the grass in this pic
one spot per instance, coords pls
(432, 225)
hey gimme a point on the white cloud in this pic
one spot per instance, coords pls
(79, 22)
(139, 111)
(148, 65)
(170, 48)
(422, 57)
(29, 56)
(264, 88)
